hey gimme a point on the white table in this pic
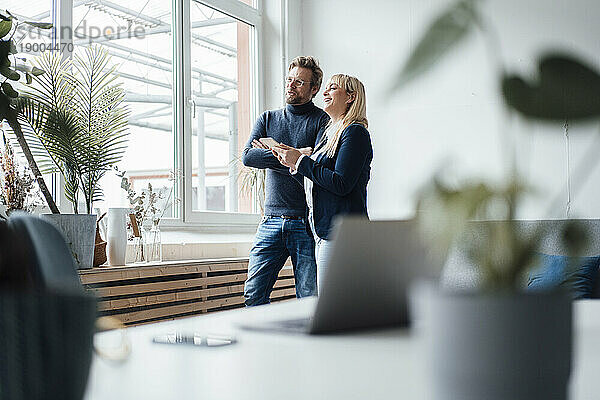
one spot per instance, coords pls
(386, 364)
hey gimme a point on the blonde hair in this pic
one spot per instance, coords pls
(355, 114)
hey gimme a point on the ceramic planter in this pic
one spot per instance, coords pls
(117, 235)
(501, 346)
(80, 233)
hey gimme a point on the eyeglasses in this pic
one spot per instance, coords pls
(294, 82)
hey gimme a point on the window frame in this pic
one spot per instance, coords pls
(183, 214)
(245, 14)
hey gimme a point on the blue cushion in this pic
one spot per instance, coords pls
(578, 274)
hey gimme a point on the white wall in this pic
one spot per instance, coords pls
(276, 58)
(452, 118)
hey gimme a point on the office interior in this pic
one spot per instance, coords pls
(199, 73)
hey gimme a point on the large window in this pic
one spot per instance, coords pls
(221, 81)
(138, 36)
(189, 71)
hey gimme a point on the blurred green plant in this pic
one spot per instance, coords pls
(566, 89)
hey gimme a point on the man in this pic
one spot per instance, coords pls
(282, 232)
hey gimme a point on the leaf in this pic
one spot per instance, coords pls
(566, 88)
(12, 47)
(446, 214)
(28, 78)
(5, 27)
(37, 72)
(32, 117)
(4, 52)
(446, 31)
(9, 91)
(9, 73)
(125, 184)
(41, 25)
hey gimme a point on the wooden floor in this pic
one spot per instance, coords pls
(137, 294)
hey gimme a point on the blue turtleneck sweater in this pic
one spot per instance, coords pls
(297, 126)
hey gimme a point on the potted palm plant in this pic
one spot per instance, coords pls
(75, 122)
(498, 341)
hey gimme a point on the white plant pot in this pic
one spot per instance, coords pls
(116, 237)
(501, 346)
(80, 233)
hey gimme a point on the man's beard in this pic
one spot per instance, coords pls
(295, 99)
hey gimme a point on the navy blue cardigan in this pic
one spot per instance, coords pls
(340, 183)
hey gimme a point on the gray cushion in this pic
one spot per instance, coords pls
(459, 272)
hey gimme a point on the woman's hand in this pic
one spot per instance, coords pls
(287, 156)
(307, 151)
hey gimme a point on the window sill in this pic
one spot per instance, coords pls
(216, 224)
(210, 248)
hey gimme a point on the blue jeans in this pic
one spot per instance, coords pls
(276, 240)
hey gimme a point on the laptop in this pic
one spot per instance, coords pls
(371, 266)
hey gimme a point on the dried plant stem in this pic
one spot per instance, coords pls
(11, 117)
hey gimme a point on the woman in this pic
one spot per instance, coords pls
(337, 173)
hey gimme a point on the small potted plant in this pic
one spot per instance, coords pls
(492, 342)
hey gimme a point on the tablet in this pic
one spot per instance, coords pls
(269, 142)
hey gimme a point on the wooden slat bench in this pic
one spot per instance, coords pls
(138, 294)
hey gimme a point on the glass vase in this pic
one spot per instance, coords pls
(153, 244)
(139, 250)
